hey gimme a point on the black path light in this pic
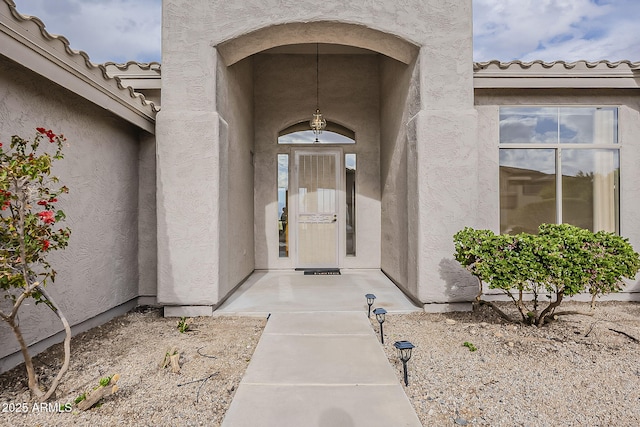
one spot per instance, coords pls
(370, 298)
(404, 353)
(380, 313)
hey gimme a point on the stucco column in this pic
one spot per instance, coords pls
(446, 159)
(188, 208)
(189, 130)
(444, 156)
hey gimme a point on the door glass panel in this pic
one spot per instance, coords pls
(317, 209)
(350, 220)
(283, 208)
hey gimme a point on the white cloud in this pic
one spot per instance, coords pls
(123, 30)
(556, 30)
(108, 30)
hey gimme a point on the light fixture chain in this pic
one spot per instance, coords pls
(318, 123)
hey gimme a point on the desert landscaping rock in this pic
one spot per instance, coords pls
(572, 372)
(575, 371)
(217, 349)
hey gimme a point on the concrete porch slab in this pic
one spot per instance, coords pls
(289, 291)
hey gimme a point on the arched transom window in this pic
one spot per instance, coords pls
(301, 134)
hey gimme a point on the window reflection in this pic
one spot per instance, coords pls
(556, 180)
(299, 133)
(590, 189)
(544, 125)
(586, 125)
(528, 125)
(283, 208)
(308, 137)
(350, 169)
(527, 189)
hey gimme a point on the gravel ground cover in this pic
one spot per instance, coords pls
(217, 349)
(576, 371)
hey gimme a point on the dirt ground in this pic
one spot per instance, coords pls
(578, 370)
(214, 354)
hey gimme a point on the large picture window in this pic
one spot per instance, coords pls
(559, 165)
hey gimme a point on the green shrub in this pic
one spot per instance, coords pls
(561, 260)
(470, 346)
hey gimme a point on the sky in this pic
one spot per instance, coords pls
(505, 30)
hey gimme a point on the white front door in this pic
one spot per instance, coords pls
(316, 188)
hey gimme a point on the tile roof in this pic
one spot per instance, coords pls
(79, 62)
(542, 65)
(556, 74)
(145, 66)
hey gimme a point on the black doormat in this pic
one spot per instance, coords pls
(322, 272)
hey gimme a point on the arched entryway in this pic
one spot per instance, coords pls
(399, 78)
(348, 85)
(362, 88)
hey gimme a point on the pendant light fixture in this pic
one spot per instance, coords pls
(317, 123)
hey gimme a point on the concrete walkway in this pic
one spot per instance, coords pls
(314, 366)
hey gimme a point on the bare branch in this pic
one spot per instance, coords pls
(202, 381)
(567, 313)
(25, 294)
(67, 343)
(625, 334)
(549, 309)
(496, 309)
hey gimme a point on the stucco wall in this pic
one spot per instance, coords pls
(441, 134)
(147, 222)
(99, 269)
(285, 94)
(236, 106)
(400, 101)
(488, 103)
(443, 25)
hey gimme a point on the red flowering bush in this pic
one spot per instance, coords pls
(29, 230)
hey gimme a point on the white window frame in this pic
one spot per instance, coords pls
(558, 147)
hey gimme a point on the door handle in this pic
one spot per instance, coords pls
(335, 218)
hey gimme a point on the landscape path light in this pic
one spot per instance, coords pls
(370, 298)
(404, 353)
(380, 314)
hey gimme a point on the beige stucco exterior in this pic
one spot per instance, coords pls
(179, 207)
(110, 260)
(400, 97)
(98, 270)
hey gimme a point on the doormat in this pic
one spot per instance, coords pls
(322, 272)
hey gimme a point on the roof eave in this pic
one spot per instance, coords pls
(557, 75)
(24, 40)
(135, 74)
